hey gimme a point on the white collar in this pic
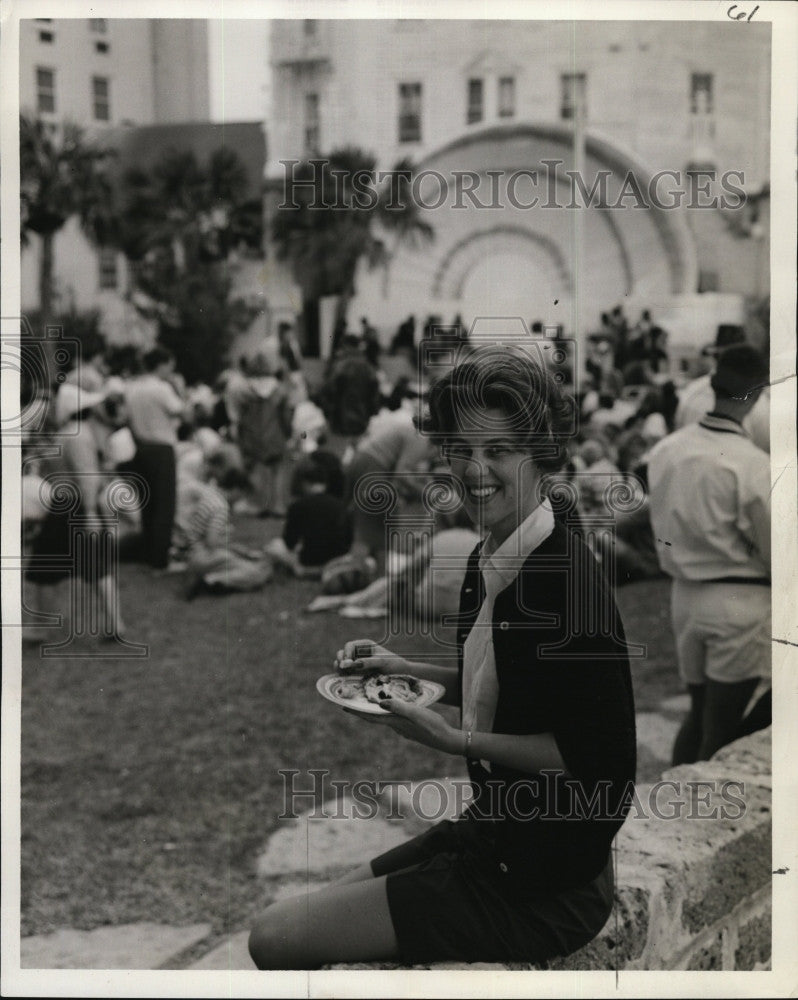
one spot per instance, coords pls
(506, 559)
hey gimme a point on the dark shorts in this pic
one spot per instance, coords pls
(56, 555)
(448, 903)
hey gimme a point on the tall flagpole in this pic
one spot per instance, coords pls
(577, 232)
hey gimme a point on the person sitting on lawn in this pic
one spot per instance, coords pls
(203, 532)
(318, 527)
(425, 582)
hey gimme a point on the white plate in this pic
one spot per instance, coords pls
(431, 692)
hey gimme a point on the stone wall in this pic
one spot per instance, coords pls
(694, 890)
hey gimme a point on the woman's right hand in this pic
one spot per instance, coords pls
(363, 654)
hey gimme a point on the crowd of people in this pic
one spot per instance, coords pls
(258, 442)
(510, 433)
(514, 877)
(265, 443)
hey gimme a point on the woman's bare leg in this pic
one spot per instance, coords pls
(342, 923)
(359, 874)
(108, 602)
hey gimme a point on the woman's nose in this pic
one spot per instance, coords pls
(477, 461)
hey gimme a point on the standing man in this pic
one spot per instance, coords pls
(710, 511)
(153, 408)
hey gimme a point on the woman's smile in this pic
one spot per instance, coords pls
(482, 493)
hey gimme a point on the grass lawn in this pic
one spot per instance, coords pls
(150, 786)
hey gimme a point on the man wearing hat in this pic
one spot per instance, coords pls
(696, 398)
(710, 511)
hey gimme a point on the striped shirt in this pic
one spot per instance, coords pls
(202, 518)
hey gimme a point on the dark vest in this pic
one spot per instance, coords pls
(562, 666)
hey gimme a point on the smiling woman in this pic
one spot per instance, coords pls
(547, 720)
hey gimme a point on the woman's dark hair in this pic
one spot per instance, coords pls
(319, 467)
(511, 380)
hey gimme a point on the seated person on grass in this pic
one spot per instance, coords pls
(203, 530)
(318, 526)
(425, 582)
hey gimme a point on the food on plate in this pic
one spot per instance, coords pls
(378, 687)
(350, 687)
(375, 687)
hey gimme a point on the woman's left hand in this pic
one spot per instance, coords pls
(422, 725)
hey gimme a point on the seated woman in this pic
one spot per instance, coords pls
(396, 450)
(202, 537)
(547, 721)
(318, 527)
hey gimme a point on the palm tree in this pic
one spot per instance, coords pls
(345, 219)
(62, 175)
(178, 224)
(193, 212)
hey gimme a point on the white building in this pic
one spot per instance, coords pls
(103, 74)
(499, 98)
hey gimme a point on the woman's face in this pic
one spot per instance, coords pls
(499, 477)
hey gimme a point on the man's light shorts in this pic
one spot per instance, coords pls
(722, 631)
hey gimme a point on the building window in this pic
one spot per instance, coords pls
(312, 130)
(109, 276)
(45, 90)
(101, 47)
(574, 94)
(99, 25)
(506, 97)
(46, 37)
(101, 98)
(476, 96)
(701, 99)
(409, 112)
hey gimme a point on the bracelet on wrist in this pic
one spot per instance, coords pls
(467, 748)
